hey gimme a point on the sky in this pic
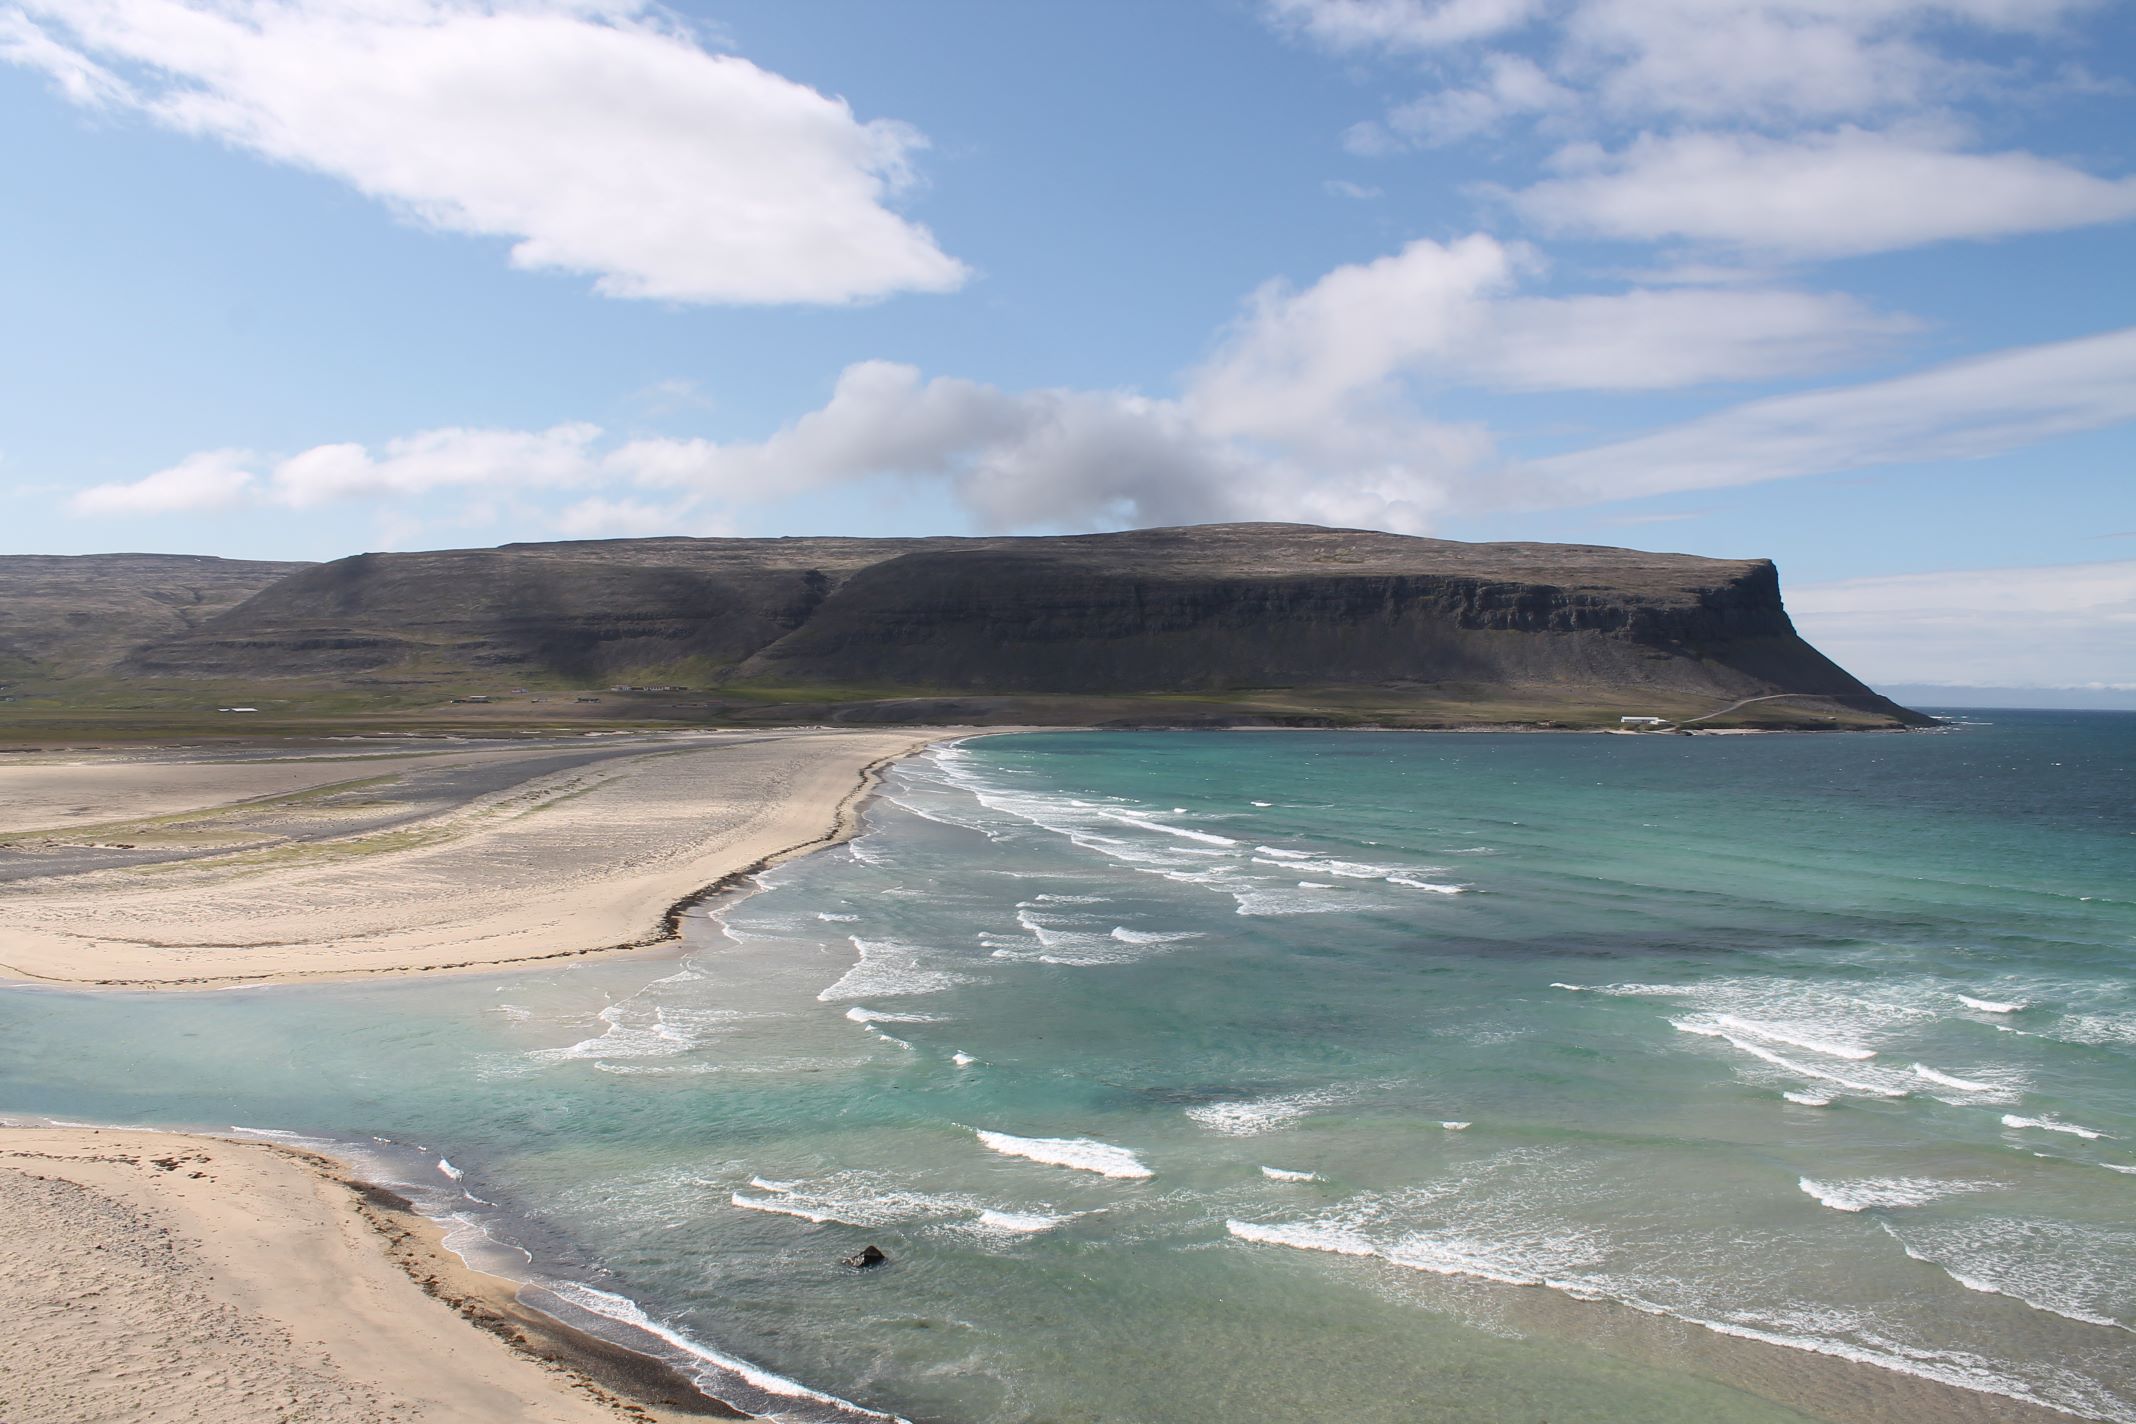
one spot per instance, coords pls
(1847, 284)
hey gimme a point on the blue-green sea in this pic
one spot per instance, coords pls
(1346, 1077)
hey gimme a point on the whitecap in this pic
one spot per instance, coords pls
(1127, 936)
(1779, 1033)
(1145, 824)
(2057, 1267)
(887, 969)
(1436, 887)
(2049, 1124)
(1989, 1006)
(1883, 1193)
(1457, 1126)
(863, 1016)
(779, 1208)
(1082, 1154)
(1707, 1030)
(962, 1059)
(1258, 1115)
(1963, 1085)
(1809, 1100)
(1304, 1236)
(1284, 1174)
(445, 1166)
(625, 1311)
(1021, 1223)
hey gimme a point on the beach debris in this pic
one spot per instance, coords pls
(866, 1257)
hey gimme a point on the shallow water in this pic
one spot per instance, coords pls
(1328, 1076)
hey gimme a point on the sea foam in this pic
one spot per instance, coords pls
(1883, 1193)
(2049, 1124)
(1082, 1154)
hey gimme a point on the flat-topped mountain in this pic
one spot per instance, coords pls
(1215, 622)
(83, 613)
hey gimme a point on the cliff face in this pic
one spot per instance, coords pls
(1212, 613)
(76, 614)
(1004, 619)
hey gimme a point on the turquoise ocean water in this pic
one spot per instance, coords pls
(1347, 1076)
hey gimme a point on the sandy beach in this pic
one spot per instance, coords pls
(199, 870)
(180, 1278)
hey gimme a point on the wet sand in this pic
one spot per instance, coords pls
(161, 1277)
(287, 867)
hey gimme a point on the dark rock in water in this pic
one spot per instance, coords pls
(867, 1256)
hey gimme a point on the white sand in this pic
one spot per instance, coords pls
(566, 863)
(190, 1280)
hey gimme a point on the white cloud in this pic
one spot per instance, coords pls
(439, 459)
(2072, 625)
(598, 517)
(1401, 24)
(1510, 85)
(1779, 61)
(1449, 314)
(1707, 61)
(1831, 194)
(212, 479)
(1796, 128)
(1959, 411)
(1315, 404)
(1344, 188)
(595, 135)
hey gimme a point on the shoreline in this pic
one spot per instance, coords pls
(215, 918)
(278, 1275)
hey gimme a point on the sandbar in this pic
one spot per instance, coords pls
(469, 858)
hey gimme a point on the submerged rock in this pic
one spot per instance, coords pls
(867, 1256)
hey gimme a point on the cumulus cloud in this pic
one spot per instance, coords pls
(1317, 403)
(2071, 625)
(595, 135)
(1451, 313)
(1826, 195)
(1962, 410)
(438, 459)
(211, 479)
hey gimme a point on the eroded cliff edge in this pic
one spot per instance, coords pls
(1217, 623)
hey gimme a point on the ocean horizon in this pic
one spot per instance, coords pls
(1357, 1075)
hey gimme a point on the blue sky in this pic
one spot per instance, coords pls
(1843, 283)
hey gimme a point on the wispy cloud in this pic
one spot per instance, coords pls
(1790, 128)
(2064, 626)
(1959, 411)
(1833, 194)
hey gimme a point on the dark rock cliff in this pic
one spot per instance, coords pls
(1212, 612)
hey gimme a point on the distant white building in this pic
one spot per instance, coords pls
(1642, 721)
(237, 709)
